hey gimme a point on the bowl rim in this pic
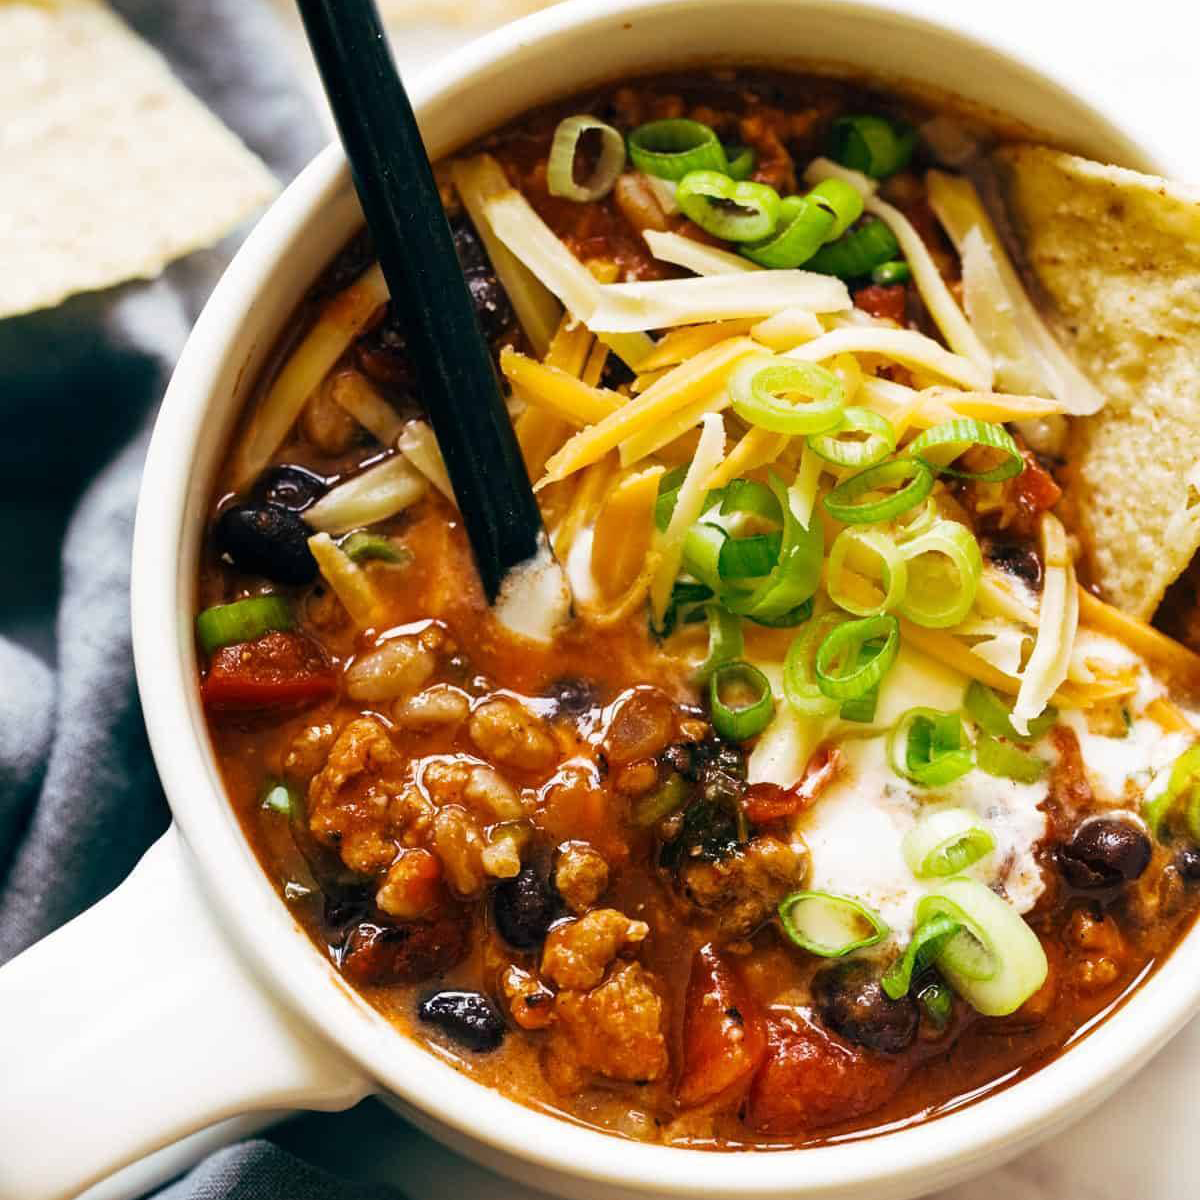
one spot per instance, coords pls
(473, 1114)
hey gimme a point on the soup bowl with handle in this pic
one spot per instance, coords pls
(191, 996)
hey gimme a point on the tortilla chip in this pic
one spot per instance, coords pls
(112, 168)
(1118, 255)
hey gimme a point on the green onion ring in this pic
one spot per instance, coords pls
(872, 145)
(843, 501)
(1182, 793)
(242, 621)
(958, 436)
(795, 577)
(995, 962)
(361, 546)
(927, 941)
(787, 397)
(929, 748)
(879, 443)
(277, 797)
(804, 226)
(1006, 761)
(946, 842)
(750, 496)
(702, 553)
(785, 620)
(800, 687)
(835, 677)
(750, 557)
(725, 642)
(560, 167)
(737, 722)
(991, 713)
(741, 161)
(893, 580)
(890, 273)
(686, 599)
(857, 252)
(931, 600)
(918, 522)
(667, 799)
(734, 212)
(813, 919)
(672, 148)
(843, 199)
(862, 708)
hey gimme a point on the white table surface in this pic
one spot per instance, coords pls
(1139, 1145)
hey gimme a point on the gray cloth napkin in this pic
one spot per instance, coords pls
(79, 799)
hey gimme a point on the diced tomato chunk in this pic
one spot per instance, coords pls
(1034, 490)
(811, 1079)
(724, 1037)
(765, 802)
(888, 302)
(278, 670)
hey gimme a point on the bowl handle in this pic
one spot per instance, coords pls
(137, 1024)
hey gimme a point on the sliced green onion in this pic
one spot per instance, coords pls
(857, 252)
(668, 799)
(954, 437)
(917, 522)
(668, 496)
(927, 941)
(794, 616)
(741, 161)
(702, 553)
(844, 502)
(946, 842)
(804, 227)
(674, 147)
(739, 721)
(841, 675)
(732, 211)
(796, 574)
(944, 568)
(853, 548)
(872, 145)
(277, 797)
(991, 713)
(828, 925)
(749, 557)
(361, 546)
(839, 446)
(787, 397)
(800, 687)
(725, 642)
(242, 621)
(1006, 761)
(560, 168)
(938, 1002)
(686, 604)
(1181, 797)
(995, 962)
(750, 497)
(862, 708)
(889, 273)
(843, 199)
(929, 748)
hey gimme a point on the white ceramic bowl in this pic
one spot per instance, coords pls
(191, 995)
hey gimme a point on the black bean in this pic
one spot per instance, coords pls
(289, 487)
(267, 540)
(851, 1001)
(1104, 852)
(525, 907)
(573, 697)
(492, 306)
(467, 1017)
(1017, 558)
(1187, 863)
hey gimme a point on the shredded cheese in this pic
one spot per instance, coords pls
(680, 344)
(905, 346)
(354, 392)
(689, 504)
(695, 256)
(373, 495)
(788, 329)
(557, 391)
(418, 444)
(346, 579)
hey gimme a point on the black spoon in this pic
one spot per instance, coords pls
(404, 213)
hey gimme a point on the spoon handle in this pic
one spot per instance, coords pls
(404, 213)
